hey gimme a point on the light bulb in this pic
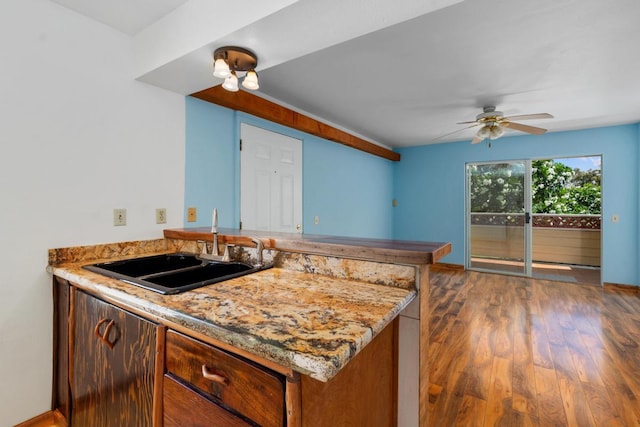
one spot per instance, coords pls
(251, 80)
(496, 132)
(221, 68)
(484, 132)
(231, 82)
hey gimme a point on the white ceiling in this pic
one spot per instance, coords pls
(403, 73)
(127, 16)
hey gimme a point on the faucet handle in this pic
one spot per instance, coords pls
(259, 249)
(227, 252)
(204, 246)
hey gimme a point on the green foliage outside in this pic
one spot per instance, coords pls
(496, 188)
(556, 189)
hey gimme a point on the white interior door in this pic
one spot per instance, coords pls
(270, 180)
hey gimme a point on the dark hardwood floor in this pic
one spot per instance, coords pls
(512, 351)
(541, 270)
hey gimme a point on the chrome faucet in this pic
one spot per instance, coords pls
(214, 231)
(215, 252)
(227, 251)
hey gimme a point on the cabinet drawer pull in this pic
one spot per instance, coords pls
(104, 337)
(206, 373)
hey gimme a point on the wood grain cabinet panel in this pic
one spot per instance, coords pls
(61, 308)
(362, 394)
(241, 385)
(112, 365)
(185, 407)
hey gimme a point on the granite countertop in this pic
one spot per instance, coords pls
(379, 250)
(310, 323)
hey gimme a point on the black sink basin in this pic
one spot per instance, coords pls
(203, 273)
(147, 265)
(172, 273)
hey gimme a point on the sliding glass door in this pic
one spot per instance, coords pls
(498, 219)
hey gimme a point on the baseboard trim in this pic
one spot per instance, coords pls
(48, 419)
(444, 265)
(630, 289)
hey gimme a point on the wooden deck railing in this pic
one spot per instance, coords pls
(563, 239)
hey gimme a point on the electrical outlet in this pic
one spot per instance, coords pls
(316, 220)
(615, 218)
(119, 217)
(161, 216)
(192, 214)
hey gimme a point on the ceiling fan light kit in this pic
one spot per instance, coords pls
(229, 60)
(491, 131)
(483, 132)
(493, 124)
(496, 132)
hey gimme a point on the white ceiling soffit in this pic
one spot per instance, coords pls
(299, 29)
(409, 84)
(197, 23)
(127, 16)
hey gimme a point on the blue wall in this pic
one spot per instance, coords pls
(638, 214)
(211, 152)
(350, 191)
(430, 189)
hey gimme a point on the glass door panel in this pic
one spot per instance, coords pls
(497, 217)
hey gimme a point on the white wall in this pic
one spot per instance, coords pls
(78, 137)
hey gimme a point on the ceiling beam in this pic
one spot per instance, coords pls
(260, 107)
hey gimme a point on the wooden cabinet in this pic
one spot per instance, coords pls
(217, 379)
(113, 358)
(113, 368)
(362, 394)
(110, 361)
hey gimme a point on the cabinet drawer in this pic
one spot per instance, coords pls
(184, 407)
(253, 391)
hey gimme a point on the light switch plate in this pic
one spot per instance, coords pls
(161, 216)
(192, 215)
(119, 217)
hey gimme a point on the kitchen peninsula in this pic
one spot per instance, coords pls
(324, 337)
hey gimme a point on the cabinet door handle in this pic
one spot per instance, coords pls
(206, 373)
(104, 337)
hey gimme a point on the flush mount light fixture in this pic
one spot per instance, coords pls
(229, 60)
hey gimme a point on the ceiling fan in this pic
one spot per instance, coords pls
(493, 124)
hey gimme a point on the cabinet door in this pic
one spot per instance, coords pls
(112, 365)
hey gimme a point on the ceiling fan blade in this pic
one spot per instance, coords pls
(524, 128)
(466, 123)
(455, 131)
(530, 116)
